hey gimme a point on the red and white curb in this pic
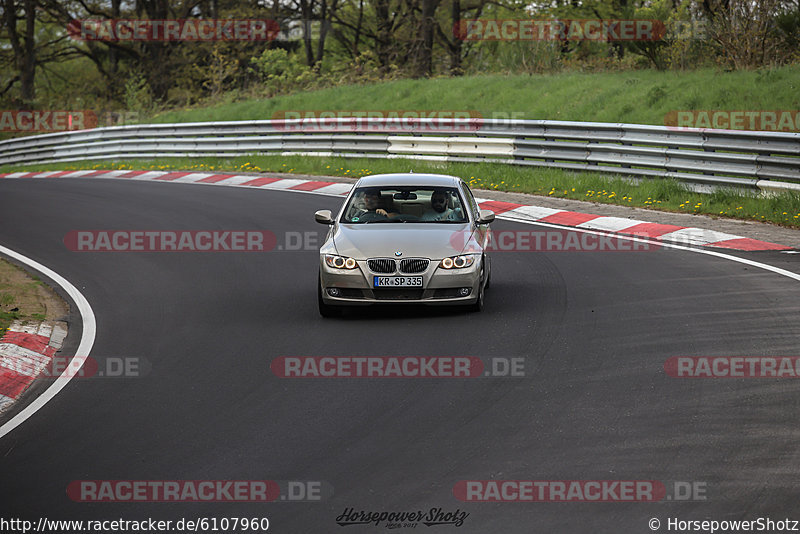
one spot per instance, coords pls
(618, 225)
(26, 351)
(505, 210)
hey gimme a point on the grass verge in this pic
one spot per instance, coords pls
(658, 194)
(640, 96)
(25, 297)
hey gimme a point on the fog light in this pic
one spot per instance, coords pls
(464, 291)
(333, 292)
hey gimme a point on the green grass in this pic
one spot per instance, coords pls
(6, 318)
(641, 97)
(20, 298)
(658, 194)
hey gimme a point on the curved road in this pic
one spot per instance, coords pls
(594, 330)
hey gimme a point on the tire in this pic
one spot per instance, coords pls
(477, 306)
(488, 278)
(326, 310)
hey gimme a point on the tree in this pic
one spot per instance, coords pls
(34, 41)
(424, 47)
(747, 34)
(23, 46)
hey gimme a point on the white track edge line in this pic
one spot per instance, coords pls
(765, 266)
(84, 347)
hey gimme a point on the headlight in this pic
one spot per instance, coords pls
(340, 262)
(457, 262)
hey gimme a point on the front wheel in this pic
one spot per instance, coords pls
(477, 306)
(326, 310)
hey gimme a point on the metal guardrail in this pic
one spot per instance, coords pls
(763, 160)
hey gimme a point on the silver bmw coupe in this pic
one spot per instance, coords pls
(405, 238)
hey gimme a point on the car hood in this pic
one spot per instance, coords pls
(427, 240)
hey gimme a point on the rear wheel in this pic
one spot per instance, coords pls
(326, 310)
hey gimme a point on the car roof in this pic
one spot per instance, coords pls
(406, 178)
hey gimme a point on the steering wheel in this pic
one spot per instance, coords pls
(370, 216)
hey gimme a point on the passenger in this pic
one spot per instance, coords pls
(440, 210)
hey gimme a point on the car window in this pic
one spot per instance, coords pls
(471, 201)
(419, 204)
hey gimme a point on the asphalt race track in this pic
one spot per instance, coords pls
(594, 330)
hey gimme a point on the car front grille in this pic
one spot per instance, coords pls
(407, 265)
(414, 265)
(382, 265)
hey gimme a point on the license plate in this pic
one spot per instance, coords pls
(397, 281)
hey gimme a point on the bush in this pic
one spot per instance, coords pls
(281, 72)
(746, 34)
(138, 96)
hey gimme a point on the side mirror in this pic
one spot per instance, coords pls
(485, 217)
(324, 217)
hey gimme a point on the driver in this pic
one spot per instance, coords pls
(372, 202)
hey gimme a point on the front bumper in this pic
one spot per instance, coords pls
(439, 286)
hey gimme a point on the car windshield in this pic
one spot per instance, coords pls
(419, 204)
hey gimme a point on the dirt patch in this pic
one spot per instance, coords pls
(27, 298)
